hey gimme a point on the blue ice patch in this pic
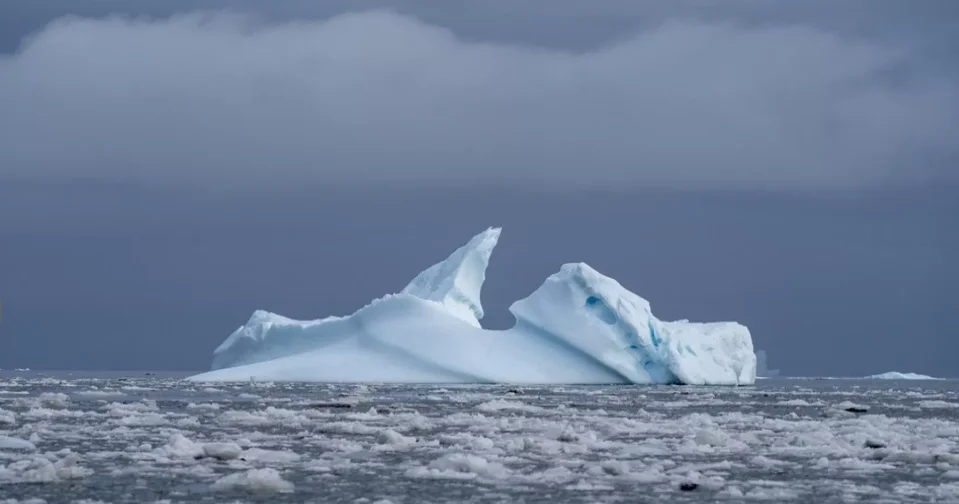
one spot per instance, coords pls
(602, 311)
(652, 336)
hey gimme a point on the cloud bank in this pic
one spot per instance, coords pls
(377, 96)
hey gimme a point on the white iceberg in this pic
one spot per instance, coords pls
(895, 375)
(579, 327)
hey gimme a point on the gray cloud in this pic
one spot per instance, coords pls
(382, 96)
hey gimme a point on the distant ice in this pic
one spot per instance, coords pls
(895, 375)
(762, 369)
(579, 327)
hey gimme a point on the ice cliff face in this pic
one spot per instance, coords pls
(604, 320)
(578, 327)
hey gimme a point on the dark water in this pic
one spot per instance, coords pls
(131, 437)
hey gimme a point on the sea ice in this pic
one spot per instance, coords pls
(579, 327)
(12, 443)
(506, 441)
(264, 480)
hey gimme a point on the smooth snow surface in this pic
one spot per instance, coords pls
(895, 375)
(578, 327)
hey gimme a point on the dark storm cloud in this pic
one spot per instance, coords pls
(385, 96)
(109, 260)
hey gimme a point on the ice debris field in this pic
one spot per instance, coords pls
(162, 440)
(579, 327)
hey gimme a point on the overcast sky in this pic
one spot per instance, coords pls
(167, 167)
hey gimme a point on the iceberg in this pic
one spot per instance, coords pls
(578, 327)
(895, 375)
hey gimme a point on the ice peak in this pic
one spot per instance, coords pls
(600, 286)
(456, 282)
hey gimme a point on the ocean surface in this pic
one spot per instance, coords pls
(133, 437)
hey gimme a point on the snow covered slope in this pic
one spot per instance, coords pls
(578, 327)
